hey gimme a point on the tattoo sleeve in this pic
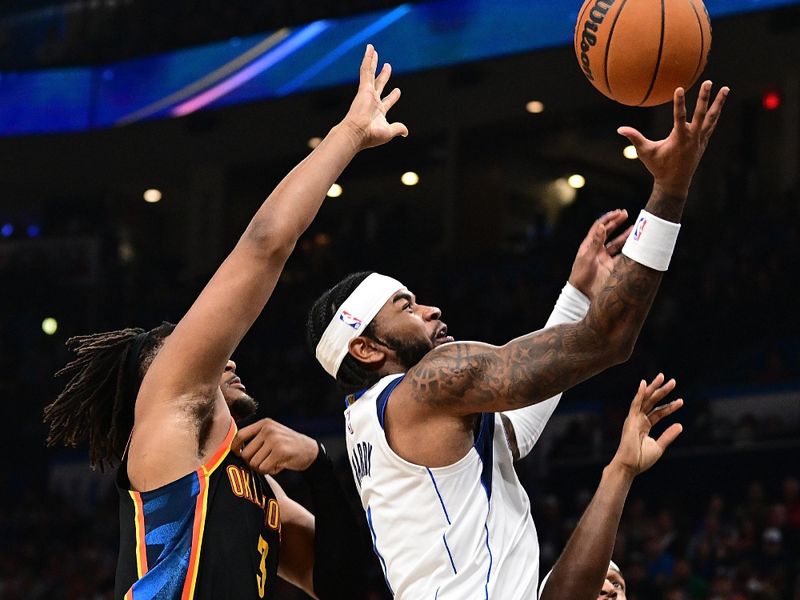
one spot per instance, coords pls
(467, 378)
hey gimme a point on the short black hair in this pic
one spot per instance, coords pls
(97, 404)
(352, 375)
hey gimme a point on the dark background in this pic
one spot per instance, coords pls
(482, 236)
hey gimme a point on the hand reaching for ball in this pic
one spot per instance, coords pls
(673, 160)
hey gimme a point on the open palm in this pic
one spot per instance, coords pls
(595, 259)
(638, 451)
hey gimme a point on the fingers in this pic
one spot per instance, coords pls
(245, 434)
(368, 65)
(398, 129)
(614, 247)
(701, 107)
(679, 109)
(614, 218)
(639, 142)
(260, 458)
(250, 449)
(391, 99)
(659, 412)
(636, 405)
(383, 77)
(669, 436)
(656, 392)
(712, 117)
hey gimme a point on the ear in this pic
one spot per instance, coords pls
(366, 351)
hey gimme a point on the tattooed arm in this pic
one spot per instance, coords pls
(467, 378)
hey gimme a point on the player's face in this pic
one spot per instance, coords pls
(613, 587)
(239, 402)
(410, 329)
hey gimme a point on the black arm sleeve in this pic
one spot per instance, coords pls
(341, 545)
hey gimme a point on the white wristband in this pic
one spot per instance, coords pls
(652, 241)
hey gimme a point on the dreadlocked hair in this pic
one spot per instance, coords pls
(97, 403)
(352, 375)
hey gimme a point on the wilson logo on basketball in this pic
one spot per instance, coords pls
(589, 34)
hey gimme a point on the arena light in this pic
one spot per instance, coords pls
(7, 230)
(335, 191)
(630, 153)
(33, 230)
(49, 325)
(314, 142)
(771, 100)
(576, 181)
(152, 196)
(409, 178)
(535, 107)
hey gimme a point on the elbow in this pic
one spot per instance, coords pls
(622, 345)
(269, 241)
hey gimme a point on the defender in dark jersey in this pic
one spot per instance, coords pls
(204, 524)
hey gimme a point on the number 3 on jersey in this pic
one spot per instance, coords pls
(261, 578)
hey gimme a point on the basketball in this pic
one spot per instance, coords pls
(638, 51)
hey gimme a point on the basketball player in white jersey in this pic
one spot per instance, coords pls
(433, 426)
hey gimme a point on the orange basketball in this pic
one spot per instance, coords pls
(638, 51)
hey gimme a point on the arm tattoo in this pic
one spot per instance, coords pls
(467, 378)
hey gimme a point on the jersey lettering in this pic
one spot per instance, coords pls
(362, 461)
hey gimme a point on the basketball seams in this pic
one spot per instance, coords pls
(658, 56)
(608, 46)
(702, 42)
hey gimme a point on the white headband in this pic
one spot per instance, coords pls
(352, 317)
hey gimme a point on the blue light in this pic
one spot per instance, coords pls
(6, 230)
(34, 231)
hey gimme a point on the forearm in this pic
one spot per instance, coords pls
(525, 425)
(579, 572)
(340, 545)
(290, 208)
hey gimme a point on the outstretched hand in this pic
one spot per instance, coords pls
(367, 114)
(673, 160)
(638, 451)
(595, 259)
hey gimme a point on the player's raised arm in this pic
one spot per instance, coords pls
(468, 378)
(579, 572)
(184, 376)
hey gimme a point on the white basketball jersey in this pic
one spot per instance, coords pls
(458, 532)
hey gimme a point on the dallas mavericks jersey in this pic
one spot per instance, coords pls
(213, 534)
(458, 532)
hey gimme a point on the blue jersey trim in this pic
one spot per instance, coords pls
(375, 549)
(383, 399)
(450, 555)
(489, 572)
(436, 487)
(484, 444)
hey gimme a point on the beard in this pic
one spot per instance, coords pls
(408, 352)
(242, 407)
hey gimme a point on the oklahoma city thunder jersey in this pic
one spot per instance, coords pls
(213, 534)
(458, 532)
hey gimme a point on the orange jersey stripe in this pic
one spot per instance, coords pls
(222, 451)
(141, 545)
(197, 534)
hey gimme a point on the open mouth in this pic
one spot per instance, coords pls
(442, 337)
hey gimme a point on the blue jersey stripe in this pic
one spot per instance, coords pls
(441, 501)
(375, 549)
(383, 399)
(449, 554)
